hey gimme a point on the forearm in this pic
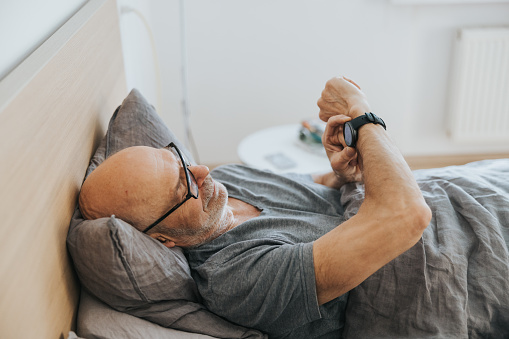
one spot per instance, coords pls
(390, 220)
(388, 179)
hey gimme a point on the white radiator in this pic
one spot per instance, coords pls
(479, 92)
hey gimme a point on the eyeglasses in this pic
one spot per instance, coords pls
(192, 186)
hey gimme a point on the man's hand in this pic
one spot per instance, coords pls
(342, 96)
(344, 161)
(341, 101)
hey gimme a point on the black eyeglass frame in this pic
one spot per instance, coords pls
(189, 195)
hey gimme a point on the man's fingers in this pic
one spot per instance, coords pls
(328, 108)
(337, 120)
(332, 138)
(352, 82)
(350, 152)
(345, 159)
(333, 133)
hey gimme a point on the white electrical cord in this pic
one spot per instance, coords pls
(185, 100)
(189, 141)
(125, 10)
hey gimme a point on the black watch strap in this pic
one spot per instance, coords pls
(366, 119)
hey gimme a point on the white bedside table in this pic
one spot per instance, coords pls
(279, 149)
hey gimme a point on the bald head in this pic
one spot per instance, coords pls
(133, 184)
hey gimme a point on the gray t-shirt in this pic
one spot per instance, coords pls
(260, 274)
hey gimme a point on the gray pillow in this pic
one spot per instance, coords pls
(96, 322)
(128, 270)
(136, 123)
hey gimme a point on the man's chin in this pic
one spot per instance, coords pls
(222, 221)
(219, 196)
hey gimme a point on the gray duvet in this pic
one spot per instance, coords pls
(454, 283)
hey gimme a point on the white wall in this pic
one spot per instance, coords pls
(25, 25)
(164, 92)
(254, 64)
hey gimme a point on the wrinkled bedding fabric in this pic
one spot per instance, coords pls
(454, 283)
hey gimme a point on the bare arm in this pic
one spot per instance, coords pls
(392, 216)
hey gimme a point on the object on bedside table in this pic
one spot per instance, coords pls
(280, 149)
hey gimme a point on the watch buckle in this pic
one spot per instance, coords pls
(371, 117)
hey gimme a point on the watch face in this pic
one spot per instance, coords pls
(347, 133)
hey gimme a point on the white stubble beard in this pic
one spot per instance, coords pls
(221, 217)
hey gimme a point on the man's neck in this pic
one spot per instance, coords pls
(242, 211)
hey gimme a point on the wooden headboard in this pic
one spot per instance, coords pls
(54, 109)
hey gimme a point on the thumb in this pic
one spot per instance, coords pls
(350, 152)
(341, 160)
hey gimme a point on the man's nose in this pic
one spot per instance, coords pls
(200, 172)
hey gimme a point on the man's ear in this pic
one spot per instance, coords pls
(163, 239)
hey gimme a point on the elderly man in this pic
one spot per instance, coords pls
(272, 252)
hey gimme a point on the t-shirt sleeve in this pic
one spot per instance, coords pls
(269, 287)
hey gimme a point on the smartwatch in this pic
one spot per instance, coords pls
(351, 127)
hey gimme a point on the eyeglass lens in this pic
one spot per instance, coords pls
(192, 185)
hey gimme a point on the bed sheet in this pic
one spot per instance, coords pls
(454, 283)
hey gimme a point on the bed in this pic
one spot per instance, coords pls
(57, 110)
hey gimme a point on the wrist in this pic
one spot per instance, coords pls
(370, 131)
(331, 179)
(351, 128)
(358, 110)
